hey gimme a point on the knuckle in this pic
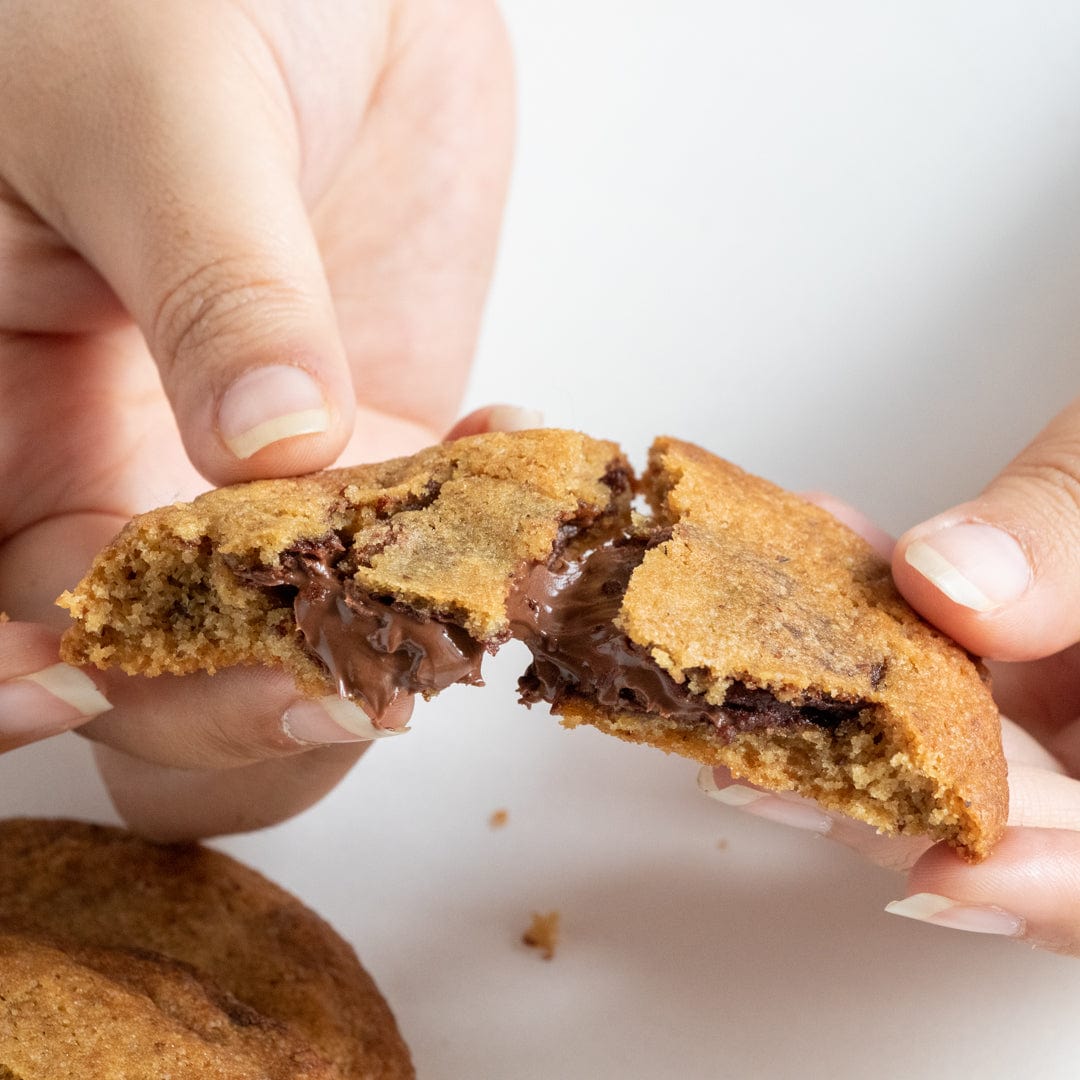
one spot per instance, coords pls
(1044, 486)
(1056, 482)
(256, 739)
(220, 305)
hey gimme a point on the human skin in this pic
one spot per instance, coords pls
(238, 239)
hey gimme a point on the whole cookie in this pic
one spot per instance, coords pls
(83, 885)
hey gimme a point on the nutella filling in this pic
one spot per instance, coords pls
(374, 650)
(565, 615)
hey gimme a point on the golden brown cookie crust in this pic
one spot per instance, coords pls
(103, 887)
(112, 1014)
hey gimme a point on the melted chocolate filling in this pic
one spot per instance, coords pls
(565, 615)
(376, 650)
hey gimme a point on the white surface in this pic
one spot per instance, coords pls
(840, 244)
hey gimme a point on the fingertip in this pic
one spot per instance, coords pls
(333, 720)
(269, 420)
(956, 915)
(496, 418)
(40, 695)
(977, 566)
(268, 405)
(1030, 883)
(782, 808)
(976, 582)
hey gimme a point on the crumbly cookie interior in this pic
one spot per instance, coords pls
(856, 768)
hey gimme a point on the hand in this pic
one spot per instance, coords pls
(237, 240)
(1000, 574)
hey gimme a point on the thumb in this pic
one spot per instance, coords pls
(1001, 574)
(174, 172)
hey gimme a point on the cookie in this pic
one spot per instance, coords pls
(243, 954)
(742, 626)
(397, 573)
(736, 625)
(112, 1014)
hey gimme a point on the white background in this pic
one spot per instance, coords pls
(838, 243)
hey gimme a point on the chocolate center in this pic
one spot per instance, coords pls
(376, 650)
(565, 615)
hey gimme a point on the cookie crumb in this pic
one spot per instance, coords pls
(499, 818)
(543, 934)
(4, 617)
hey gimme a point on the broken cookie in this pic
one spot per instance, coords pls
(369, 582)
(736, 624)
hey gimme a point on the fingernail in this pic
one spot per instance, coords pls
(975, 565)
(795, 813)
(941, 911)
(269, 404)
(52, 699)
(514, 418)
(732, 795)
(332, 720)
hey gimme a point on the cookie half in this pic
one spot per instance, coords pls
(226, 949)
(368, 582)
(742, 626)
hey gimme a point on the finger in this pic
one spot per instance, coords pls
(238, 717)
(202, 232)
(496, 418)
(170, 804)
(203, 755)
(39, 695)
(1001, 574)
(1029, 889)
(787, 808)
